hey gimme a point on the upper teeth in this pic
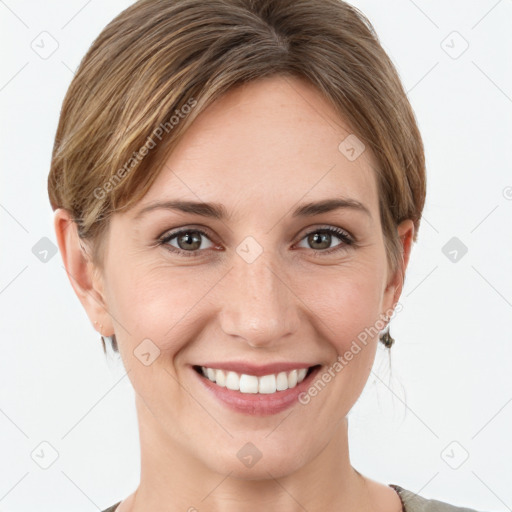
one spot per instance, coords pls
(252, 384)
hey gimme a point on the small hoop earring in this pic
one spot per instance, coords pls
(386, 338)
(109, 344)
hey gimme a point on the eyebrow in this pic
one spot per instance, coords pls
(218, 211)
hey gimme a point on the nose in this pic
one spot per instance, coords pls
(258, 305)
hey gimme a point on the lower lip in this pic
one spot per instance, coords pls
(257, 404)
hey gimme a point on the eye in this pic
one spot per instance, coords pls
(188, 241)
(321, 238)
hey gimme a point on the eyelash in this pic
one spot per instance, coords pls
(347, 240)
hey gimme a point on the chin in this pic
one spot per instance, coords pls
(258, 459)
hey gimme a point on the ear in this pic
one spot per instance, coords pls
(396, 281)
(85, 278)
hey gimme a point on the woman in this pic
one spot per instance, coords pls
(237, 186)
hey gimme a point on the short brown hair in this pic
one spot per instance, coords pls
(159, 57)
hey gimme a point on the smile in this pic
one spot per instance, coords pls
(266, 384)
(255, 390)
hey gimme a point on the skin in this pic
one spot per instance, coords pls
(261, 150)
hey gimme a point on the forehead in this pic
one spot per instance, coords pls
(273, 142)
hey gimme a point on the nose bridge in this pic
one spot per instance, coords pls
(257, 304)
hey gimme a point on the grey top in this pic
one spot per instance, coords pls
(411, 502)
(414, 503)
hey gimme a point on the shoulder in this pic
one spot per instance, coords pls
(415, 503)
(112, 508)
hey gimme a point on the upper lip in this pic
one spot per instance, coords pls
(257, 370)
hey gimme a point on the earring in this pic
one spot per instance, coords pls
(109, 344)
(386, 338)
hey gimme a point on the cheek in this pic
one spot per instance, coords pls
(158, 303)
(344, 301)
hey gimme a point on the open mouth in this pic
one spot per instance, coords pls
(252, 384)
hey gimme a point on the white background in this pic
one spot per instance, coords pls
(446, 391)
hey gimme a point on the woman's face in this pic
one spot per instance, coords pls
(260, 289)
